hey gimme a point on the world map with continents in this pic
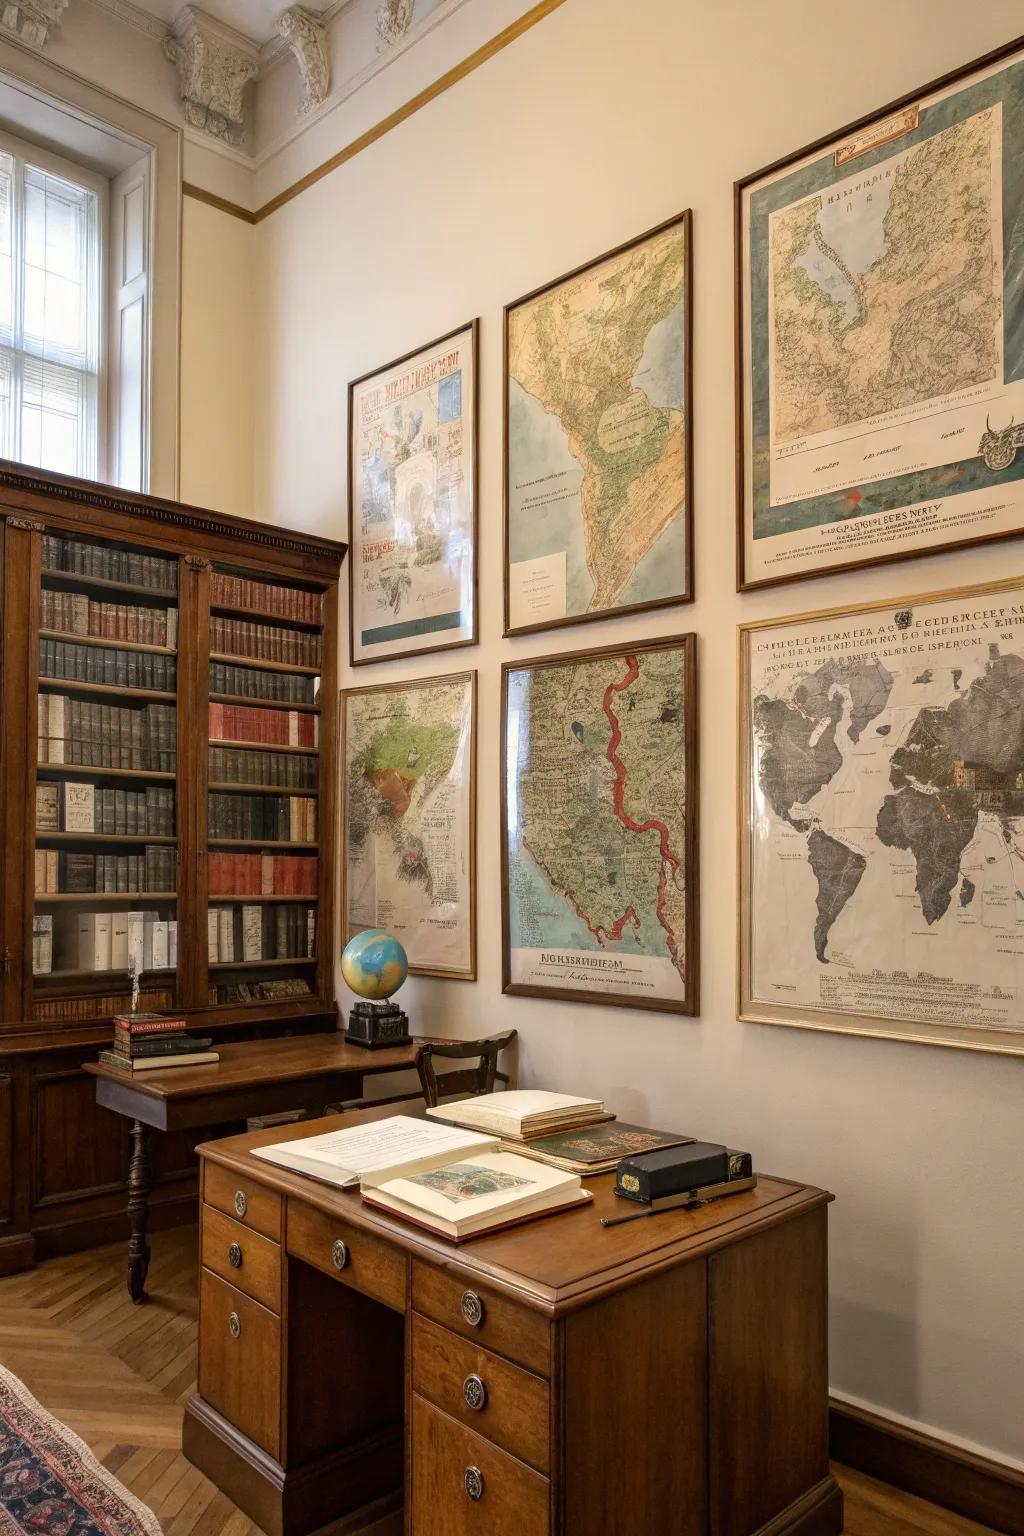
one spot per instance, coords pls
(889, 756)
(597, 819)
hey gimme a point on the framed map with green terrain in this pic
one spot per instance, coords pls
(408, 818)
(598, 500)
(599, 826)
(882, 819)
(880, 344)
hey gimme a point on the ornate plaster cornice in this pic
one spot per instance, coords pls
(306, 36)
(215, 64)
(31, 20)
(394, 18)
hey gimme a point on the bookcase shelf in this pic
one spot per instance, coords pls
(264, 789)
(268, 746)
(108, 641)
(236, 896)
(163, 596)
(261, 842)
(261, 965)
(265, 616)
(90, 897)
(264, 666)
(165, 973)
(117, 839)
(70, 685)
(74, 771)
(257, 703)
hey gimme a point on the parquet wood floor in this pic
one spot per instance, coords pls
(119, 1376)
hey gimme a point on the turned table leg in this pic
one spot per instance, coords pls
(140, 1181)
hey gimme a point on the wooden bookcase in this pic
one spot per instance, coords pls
(163, 840)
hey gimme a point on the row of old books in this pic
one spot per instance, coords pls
(277, 727)
(279, 990)
(90, 808)
(103, 941)
(276, 818)
(147, 1042)
(55, 1010)
(266, 642)
(274, 931)
(285, 602)
(155, 869)
(83, 732)
(246, 765)
(262, 874)
(111, 668)
(251, 683)
(104, 563)
(73, 613)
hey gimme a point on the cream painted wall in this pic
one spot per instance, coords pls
(217, 319)
(603, 120)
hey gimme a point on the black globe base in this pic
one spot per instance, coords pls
(375, 1026)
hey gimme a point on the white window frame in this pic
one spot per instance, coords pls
(25, 153)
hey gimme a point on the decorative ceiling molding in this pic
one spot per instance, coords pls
(31, 20)
(394, 18)
(306, 36)
(215, 64)
(133, 16)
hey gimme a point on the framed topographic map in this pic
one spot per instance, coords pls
(882, 819)
(880, 334)
(408, 818)
(598, 503)
(599, 826)
(412, 457)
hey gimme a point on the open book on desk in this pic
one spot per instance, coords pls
(479, 1193)
(373, 1153)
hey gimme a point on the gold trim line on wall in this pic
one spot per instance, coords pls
(422, 98)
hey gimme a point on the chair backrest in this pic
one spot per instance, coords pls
(468, 1080)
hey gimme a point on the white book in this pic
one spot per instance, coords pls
(42, 945)
(137, 939)
(119, 941)
(252, 932)
(369, 1154)
(212, 934)
(479, 1192)
(55, 728)
(94, 941)
(226, 933)
(149, 920)
(172, 943)
(47, 806)
(159, 945)
(79, 807)
(518, 1111)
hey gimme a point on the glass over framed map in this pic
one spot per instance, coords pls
(880, 346)
(599, 826)
(412, 472)
(882, 819)
(598, 500)
(408, 819)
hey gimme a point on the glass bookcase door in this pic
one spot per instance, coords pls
(106, 812)
(263, 791)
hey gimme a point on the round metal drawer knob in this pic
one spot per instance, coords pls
(474, 1483)
(475, 1393)
(235, 1326)
(339, 1253)
(472, 1308)
(241, 1203)
(235, 1256)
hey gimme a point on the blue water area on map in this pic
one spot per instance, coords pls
(661, 572)
(540, 463)
(558, 926)
(449, 397)
(661, 371)
(857, 238)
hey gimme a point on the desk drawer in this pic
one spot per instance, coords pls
(240, 1361)
(244, 1199)
(463, 1486)
(358, 1258)
(241, 1257)
(484, 1316)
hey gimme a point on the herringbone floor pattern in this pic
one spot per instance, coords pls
(119, 1375)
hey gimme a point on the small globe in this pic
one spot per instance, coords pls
(374, 964)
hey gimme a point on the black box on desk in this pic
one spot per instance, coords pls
(672, 1170)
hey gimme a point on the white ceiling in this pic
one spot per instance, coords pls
(256, 19)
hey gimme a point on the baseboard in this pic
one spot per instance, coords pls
(819, 1512)
(17, 1253)
(970, 1485)
(95, 1229)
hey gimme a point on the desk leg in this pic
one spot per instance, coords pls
(140, 1181)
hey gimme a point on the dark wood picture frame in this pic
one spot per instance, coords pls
(690, 1004)
(740, 188)
(472, 327)
(404, 686)
(685, 221)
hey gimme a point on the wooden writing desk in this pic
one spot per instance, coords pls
(663, 1378)
(254, 1077)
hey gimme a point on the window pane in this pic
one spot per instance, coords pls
(57, 220)
(56, 409)
(6, 251)
(6, 412)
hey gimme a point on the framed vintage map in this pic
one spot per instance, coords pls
(880, 334)
(598, 499)
(408, 818)
(412, 473)
(882, 819)
(599, 826)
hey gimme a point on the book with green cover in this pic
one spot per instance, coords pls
(597, 1149)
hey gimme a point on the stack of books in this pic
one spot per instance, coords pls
(523, 1114)
(285, 602)
(144, 1042)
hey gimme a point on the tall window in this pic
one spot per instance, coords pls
(51, 321)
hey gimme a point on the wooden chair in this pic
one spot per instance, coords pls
(467, 1080)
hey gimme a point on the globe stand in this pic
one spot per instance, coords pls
(377, 1025)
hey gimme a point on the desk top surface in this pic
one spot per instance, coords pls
(554, 1263)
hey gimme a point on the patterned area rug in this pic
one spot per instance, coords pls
(50, 1482)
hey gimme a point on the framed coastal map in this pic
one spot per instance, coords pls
(599, 826)
(882, 819)
(598, 498)
(408, 817)
(412, 473)
(880, 335)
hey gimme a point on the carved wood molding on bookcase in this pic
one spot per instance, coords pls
(90, 493)
(986, 1491)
